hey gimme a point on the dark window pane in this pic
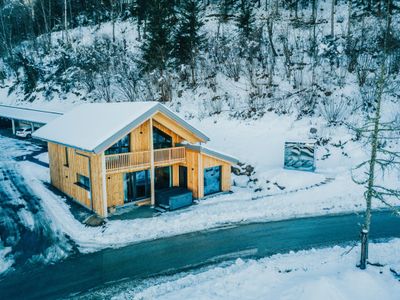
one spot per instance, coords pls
(163, 178)
(161, 139)
(66, 157)
(142, 184)
(83, 181)
(122, 146)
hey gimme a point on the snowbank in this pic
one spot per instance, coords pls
(316, 274)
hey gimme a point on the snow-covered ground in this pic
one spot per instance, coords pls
(329, 273)
(27, 234)
(282, 194)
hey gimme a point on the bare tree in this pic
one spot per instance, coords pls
(376, 131)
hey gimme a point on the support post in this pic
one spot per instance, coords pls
(364, 249)
(13, 125)
(32, 127)
(104, 184)
(152, 173)
(200, 177)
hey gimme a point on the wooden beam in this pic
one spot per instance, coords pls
(104, 184)
(152, 173)
(200, 175)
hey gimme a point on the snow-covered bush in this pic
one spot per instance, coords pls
(335, 111)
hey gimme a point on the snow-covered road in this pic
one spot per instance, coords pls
(170, 255)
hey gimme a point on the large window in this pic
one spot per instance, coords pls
(83, 181)
(122, 146)
(161, 139)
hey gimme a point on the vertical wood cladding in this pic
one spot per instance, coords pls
(64, 176)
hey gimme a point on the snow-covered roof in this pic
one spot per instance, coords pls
(94, 127)
(28, 114)
(212, 152)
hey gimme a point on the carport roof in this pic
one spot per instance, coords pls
(28, 114)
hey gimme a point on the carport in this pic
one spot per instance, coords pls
(26, 116)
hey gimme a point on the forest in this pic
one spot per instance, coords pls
(308, 57)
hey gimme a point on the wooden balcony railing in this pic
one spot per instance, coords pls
(141, 159)
(116, 162)
(169, 155)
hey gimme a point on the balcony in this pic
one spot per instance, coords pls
(131, 161)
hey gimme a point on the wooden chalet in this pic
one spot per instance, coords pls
(112, 154)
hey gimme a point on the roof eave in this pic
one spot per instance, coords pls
(212, 153)
(62, 144)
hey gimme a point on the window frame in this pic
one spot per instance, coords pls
(85, 183)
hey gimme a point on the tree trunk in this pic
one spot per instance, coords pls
(270, 26)
(332, 18)
(66, 21)
(375, 135)
(350, 2)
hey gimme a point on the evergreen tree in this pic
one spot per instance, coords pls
(187, 39)
(225, 8)
(157, 46)
(245, 19)
(141, 12)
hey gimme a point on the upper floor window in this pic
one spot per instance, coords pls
(122, 146)
(161, 139)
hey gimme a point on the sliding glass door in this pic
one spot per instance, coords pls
(136, 186)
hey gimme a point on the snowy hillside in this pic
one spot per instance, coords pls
(288, 65)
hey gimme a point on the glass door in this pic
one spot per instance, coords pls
(136, 186)
(162, 178)
(142, 184)
(129, 185)
(183, 177)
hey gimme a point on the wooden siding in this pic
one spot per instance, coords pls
(140, 140)
(115, 190)
(192, 164)
(175, 175)
(65, 177)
